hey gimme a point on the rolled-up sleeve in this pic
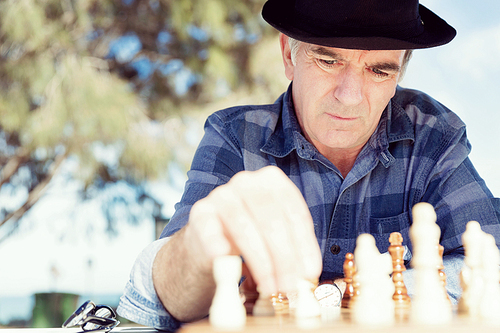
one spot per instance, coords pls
(139, 302)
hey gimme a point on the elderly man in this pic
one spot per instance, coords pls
(345, 151)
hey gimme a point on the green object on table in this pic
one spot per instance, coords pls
(52, 309)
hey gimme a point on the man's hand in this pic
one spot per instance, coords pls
(260, 215)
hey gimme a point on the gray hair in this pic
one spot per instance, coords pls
(294, 48)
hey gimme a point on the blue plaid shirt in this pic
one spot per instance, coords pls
(419, 152)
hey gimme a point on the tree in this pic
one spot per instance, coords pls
(79, 77)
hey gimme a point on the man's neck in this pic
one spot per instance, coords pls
(343, 159)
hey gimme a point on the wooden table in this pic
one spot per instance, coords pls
(287, 324)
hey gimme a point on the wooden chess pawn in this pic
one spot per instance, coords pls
(280, 303)
(442, 274)
(349, 270)
(356, 290)
(396, 250)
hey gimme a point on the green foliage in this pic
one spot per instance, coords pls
(21, 22)
(14, 108)
(62, 93)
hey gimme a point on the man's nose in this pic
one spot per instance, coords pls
(349, 89)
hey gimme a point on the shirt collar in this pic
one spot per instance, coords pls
(399, 125)
(283, 140)
(394, 125)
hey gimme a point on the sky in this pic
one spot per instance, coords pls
(464, 76)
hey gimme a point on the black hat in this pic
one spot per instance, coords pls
(359, 24)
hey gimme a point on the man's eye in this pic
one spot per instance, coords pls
(328, 62)
(379, 73)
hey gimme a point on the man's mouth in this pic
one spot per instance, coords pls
(341, 118)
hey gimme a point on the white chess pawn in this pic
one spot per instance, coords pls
(227, 311)
(308, 309)
(471, 275)
(263, 306)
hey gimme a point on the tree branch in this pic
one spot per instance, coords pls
(37, 192)
(13, 165)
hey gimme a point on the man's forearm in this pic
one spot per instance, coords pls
(185, 289)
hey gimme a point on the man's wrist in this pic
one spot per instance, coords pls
(181, 286)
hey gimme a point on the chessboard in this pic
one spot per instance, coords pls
(375, 297)
(344, 324)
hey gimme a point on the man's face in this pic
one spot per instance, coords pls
(339, 94)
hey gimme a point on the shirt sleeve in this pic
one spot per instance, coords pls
(459, 195)
(217, 159)
(139, 302)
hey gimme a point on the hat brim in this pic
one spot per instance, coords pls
(280, 15)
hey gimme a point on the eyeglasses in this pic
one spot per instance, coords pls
(93, 318)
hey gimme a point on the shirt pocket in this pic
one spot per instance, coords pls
(381, 229)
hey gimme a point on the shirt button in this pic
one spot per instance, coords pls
(335, 249)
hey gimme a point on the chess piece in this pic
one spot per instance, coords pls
(264, 305)
(355, 290)
(489, 306)
(441, 273)
(374, 305)
(401, 299)
(349, 270)
(248, 289)
(227, 311)
(280, 303)
(471, 276)
(308, 310)
(430, 305)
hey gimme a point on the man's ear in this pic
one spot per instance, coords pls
(286, 54)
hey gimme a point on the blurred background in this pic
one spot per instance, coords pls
(102, 103)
